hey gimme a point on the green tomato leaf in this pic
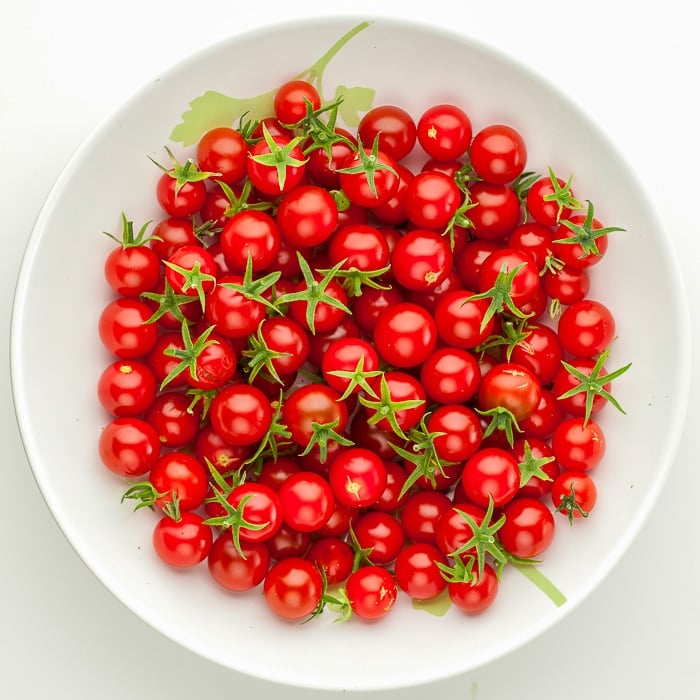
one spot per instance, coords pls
(354, 102)
(437, 606)
(214, 109)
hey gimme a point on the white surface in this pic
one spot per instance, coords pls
(64, 635)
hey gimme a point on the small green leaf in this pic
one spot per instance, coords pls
(355, 101)
(437, 606)
(214, 109)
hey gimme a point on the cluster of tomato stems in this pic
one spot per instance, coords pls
(317, 131)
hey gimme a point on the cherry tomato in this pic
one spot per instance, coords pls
(293, 588)
(417, 571)
(586, 328)
(380, 534)
(444, 131)
(420, 514)
(476, 595)
(126, 388)
(574, 494)
(294, 100)
(182, 478)
(250, 234)
(129, 446)
(458, 429)
(496, 212)
(174, 418)
(124, 330)
(491, 474)
(223, 150)
(421, 259)
(333, 556)
(450, 375)
(393, 125)
(277, 166)
(498, 153)
(510, 386)
(182, 543)
(405, 335)
(375, 188)
(307, 216)
(528, 529)
(238, 570)
(307, 501)
(241, 414)
(357, 477)
(371, 592)
(462, 321)
(432, 198)
(578, 445)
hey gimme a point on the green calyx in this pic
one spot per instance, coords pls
(584, 234)
(280, 155)
(369, 164)
(188, 354)
(185, 172)
(128, 239)
(384, 407)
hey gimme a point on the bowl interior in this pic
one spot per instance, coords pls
(56, 355)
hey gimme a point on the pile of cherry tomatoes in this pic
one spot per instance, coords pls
(337, 378)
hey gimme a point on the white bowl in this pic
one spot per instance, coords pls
(56, 356)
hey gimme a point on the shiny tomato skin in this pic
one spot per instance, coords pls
(525, 282)
(132, 270)
(307, 216)
(380, 534)
(450, 375)
(333, 556)
(371, 592)
(223, 150)
(571, 252)
(357, 477)
(356, 185)
(453, 531)
(564, 381)
(293, 588)
(458, 429)
(586, 328)
(182, 478)
(417, 571)
(540, 351)
(420, 513)
(511, 386)
(191, 257)
(293, 100)
(574, 494)
(394, 126)
(265, 178)
(491, 473)
(182, 543)
(234, 570)
(578, 445)
(174, 419)
(421, 259)
(497, 211)
(405, 335)
(444, 131)
(475, 596)
(498, 153)
(345, 355)
(528, 529)
(123, 328)
(544, 419)
(126, 388)
(461, 321)
(241, 414)
(129, 446)
(307, 501)
(250, 233)
(183, 202)
(432, 198)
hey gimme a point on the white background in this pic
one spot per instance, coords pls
(64, 66)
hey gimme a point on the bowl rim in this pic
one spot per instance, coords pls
(18, 373)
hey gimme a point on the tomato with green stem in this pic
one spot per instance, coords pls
(276, 163)
(397, 402)
(468, 593)
(294, 99)
(393, 125)
(574, 494)
(379, 534)
(334, 557)
(550, 199)
(182, 542)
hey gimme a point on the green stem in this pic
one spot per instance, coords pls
(541, 581)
